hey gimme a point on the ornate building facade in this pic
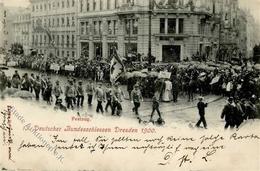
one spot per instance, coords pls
(54, 27)
(22, 30)
(180, 28)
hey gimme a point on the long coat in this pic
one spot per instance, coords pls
(229, 113)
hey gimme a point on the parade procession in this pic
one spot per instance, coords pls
(159, 62)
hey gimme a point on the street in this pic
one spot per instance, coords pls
(182, 112)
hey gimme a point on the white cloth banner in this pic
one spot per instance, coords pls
(12, 64)
(69, 68)
(215, 80)
(164, 74)
(55, 67)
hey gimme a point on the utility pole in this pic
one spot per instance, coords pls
(150, 36)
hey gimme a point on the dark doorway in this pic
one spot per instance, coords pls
(98, 51)
(171, 53)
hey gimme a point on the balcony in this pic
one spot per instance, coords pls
(130, 8)
(171, 37)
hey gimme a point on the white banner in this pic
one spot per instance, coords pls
(55, 67)
(69, 68)
(164, 74)
(12, 64)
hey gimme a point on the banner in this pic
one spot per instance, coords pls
(12, 64)
(164, 74)
(116, 67)
(215, 80)
(69, 68)
(55, 67)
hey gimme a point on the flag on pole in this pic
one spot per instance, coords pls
(116, 67)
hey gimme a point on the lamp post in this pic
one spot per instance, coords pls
(150, 36)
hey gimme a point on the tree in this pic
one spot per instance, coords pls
(17, 49)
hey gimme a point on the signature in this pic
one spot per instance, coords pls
(6, 126)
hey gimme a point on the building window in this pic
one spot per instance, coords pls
(68, 40)
(82, 28)
(95, 27)
(58, 4)
(87, 28)
(162, 25)
(72, 21)
(68, 3)
(62, 40)
(131, 49)
(40, 40)
(53, 22)
(53, 37)
(73, 3)
(33, 8)
(87, 3)
(94, 5)
(62, 53)
(36, 40)
(49, 22)
(73, 54)
(109, 26)
(127, 26)
(181, 21)
(44, 22)
(33, 39)
(68, 21)
(108, 4)
(81, 5)
(62, 4)
(100, 27)
(68, 54)
(45, 39)
(62, 22)
(58, 53)
(100, 5)
(58, 22)
(116, 3)
(171, 25)
(45, 7)
(115, 27)
(58, 40)
(111, 49)
(202, 26)
(73, 40)
(135, 26)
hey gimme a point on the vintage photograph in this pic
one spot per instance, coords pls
(106, 85)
